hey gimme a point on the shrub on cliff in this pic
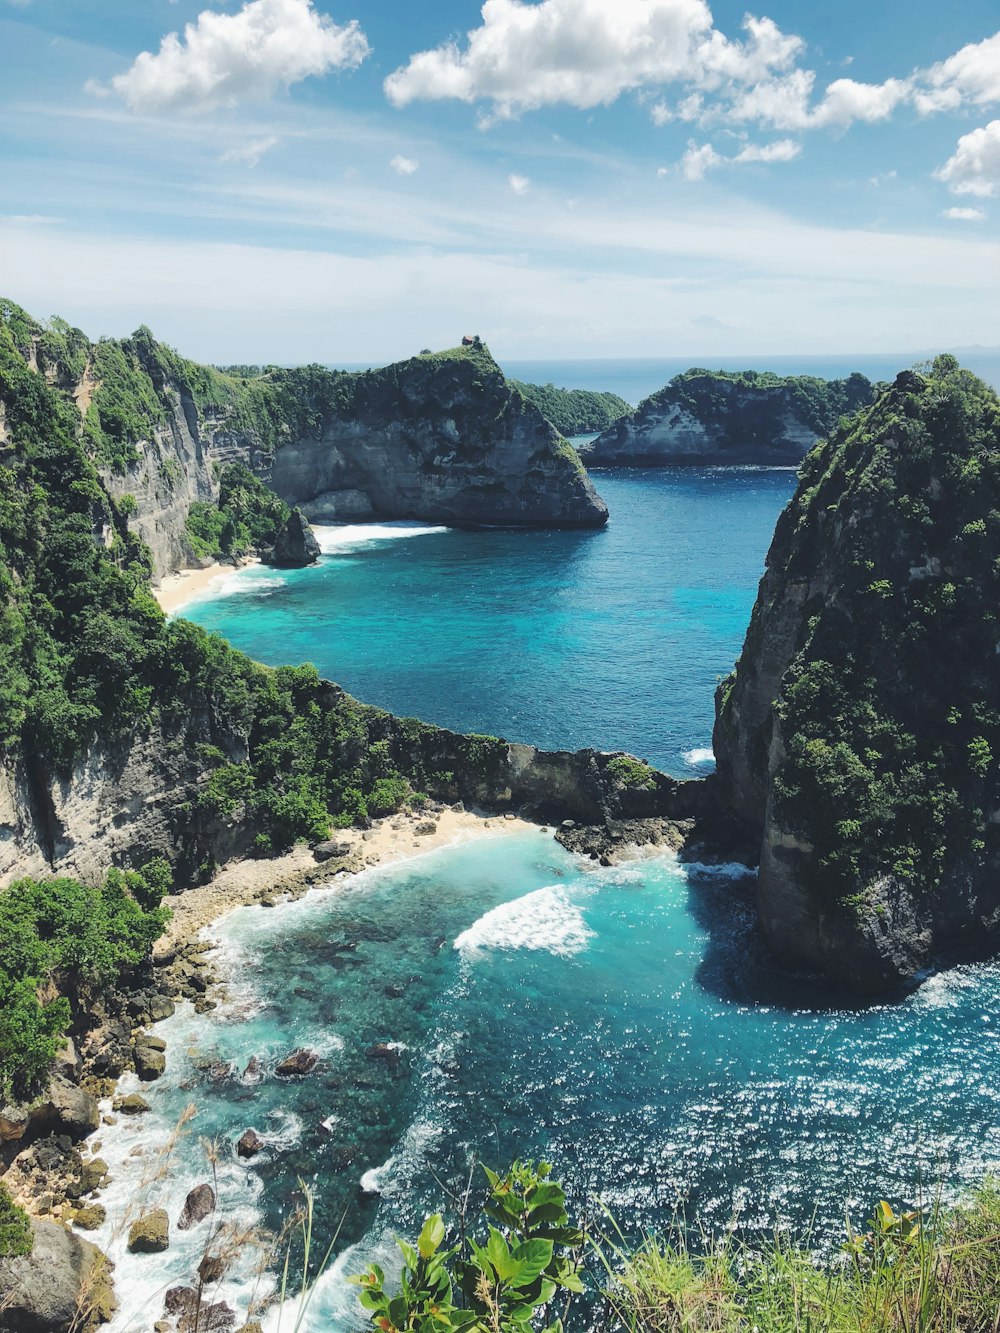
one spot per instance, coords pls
(16, 1238)
(58, 937)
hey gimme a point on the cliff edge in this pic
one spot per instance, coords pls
(860, 732)
(718, 416)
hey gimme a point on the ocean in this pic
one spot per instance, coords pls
(504, 998)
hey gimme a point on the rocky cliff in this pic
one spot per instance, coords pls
(443, 437)
(706, 416)
(860, 732)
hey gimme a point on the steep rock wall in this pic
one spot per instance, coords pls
(860, 733)
(715, 417)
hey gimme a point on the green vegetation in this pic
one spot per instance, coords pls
(57, 938)
(627, 772)
(574, 411)
(933, 1270)
(16, 1237)
(511, 1279)
(889, 712)
(907, 1273)
(247, 516)
(708, 395)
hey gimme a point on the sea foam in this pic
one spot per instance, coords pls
(699, 756)
(334, 539)
(543, 920)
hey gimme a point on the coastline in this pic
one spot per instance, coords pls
(392, 839)
(176, 590)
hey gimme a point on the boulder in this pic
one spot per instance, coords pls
(133, 1104)
(159, 1008)
(150, 1234)
(250, 1144)
(295, 545)
(198, 1205)
(327, 851)
(182, 1304)
(149, 1063)
(298, 1063)
(91, 1217)
(150, 1043)
(44, 1292)
(92, 1174)
(63, 1108)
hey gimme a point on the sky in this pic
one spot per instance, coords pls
(341, 180)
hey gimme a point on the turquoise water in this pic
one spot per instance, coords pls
(613, 639)
(623, 1022)
(502, 997)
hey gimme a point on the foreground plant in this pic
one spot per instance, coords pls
(502, 1282)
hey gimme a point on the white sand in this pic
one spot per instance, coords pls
(176, 590)
(392, 839)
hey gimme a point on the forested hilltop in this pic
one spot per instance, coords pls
(443, 437)
(860, 732)
(575, 411)
(720, 416)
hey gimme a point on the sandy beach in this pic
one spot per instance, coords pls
(392, 839)
(176, 590)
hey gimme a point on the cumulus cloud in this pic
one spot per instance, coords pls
(970, 75)
(697, 161)
(974, 168)
(250, 153)
(586, 53)
(519, 184)
(964, 214)
(224, 59)
(404, 166)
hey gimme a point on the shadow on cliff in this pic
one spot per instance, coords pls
(737, 966)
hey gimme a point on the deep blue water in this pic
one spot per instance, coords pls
(624, 1022)
(613, 639)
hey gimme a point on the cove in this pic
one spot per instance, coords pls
(611, 639)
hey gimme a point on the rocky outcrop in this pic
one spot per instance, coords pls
(443, 438)
(199, 1204)
(720, 417)
(295, 546)
(150, 1234)
(860, 733)
(63, 1284)
(64, 1108)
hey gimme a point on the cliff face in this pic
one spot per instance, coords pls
(707, 416)
(860, 732)
(440, 437)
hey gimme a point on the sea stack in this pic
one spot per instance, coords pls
(860, 731)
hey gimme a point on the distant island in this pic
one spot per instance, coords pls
(729, 417)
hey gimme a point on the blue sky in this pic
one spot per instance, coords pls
(324, 180)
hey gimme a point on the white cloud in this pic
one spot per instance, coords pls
(518, 184)
(970, 75)
(404, 166)
(250, 153)
(964, 214)
(974, 168)
(697, 161)
(223, 59)
(587, 53)
(782, 150)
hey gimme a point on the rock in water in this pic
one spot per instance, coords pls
(295, 545)
(199, 1203)
(250, 1144)
(43, 1292)
(298, 1063)
(860, 732)
(150, 1234)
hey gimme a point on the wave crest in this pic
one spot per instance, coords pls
(545, 920)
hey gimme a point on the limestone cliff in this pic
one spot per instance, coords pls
(442, 437)
(706, 416)
(860, 732)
